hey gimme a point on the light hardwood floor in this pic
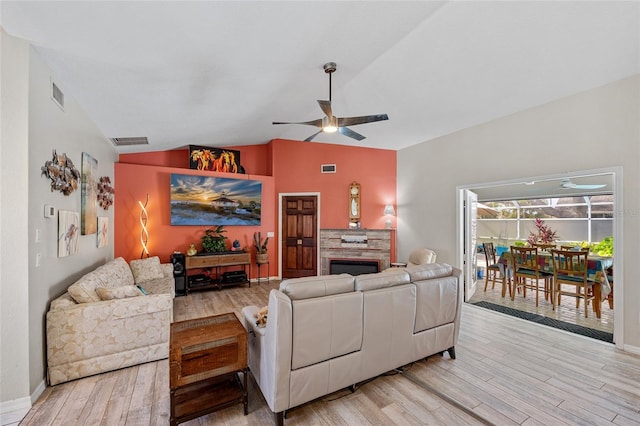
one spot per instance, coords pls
(507, 371)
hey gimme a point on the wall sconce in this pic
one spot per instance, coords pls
(388, 212)
(144, 234)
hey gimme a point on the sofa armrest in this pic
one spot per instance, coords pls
(270, 350)
(90, 330)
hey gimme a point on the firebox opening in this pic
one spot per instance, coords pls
(353, 267)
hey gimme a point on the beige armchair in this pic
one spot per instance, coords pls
(421, 256)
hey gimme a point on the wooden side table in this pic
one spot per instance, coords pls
(205, 357)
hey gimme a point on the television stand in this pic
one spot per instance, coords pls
(215, 263)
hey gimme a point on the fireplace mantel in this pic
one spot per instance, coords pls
(357, 244)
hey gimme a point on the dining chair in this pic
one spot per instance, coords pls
(570, 268)
(544, 246)
(493, 270)
(527, 273)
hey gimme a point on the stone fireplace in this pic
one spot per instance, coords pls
(363, 246)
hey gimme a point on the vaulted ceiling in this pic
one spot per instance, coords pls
(219, 72)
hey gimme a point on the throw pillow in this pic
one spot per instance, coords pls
(121, 292)
(146, 269)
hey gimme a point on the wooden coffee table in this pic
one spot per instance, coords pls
(205, 357)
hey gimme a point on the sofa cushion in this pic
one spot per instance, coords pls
(146, 269)
(114, 273)
(326, 328)
(319, 286)
(389, 278)
(428, 271)
(118, 292)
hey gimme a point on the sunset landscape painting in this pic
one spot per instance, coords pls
(207, 200)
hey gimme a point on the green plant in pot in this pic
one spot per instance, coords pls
(213, 241)
(261, 248)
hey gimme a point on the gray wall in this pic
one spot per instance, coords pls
(587, 131)
(43, 126)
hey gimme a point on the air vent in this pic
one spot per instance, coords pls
(328, 168)
(142, 140)
(56, 95)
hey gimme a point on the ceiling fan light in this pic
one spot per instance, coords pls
(329, 125)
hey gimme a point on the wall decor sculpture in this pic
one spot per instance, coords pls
(89, 223)
(105, 192)
(63, 174)
(68, 233)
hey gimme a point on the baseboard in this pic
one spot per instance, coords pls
(14, 411)
(632, 349)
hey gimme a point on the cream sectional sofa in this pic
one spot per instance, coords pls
(105, 322)
(330, 332)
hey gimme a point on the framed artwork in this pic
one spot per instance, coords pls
(354, 202)
(89, 203)
(68, 233)
(208, 200)
(103, 231)
(214, 159)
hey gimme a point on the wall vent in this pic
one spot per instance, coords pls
(56, 95)
(142, 140)
(328, 168)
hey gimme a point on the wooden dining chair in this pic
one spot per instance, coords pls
(493, 270)
(527, 273)
(570, 268)
(544, 246)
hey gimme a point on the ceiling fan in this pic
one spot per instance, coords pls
(330, 123)
(567, 184)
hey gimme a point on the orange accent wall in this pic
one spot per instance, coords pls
(283, 166)
(134, 182)
(296, 168)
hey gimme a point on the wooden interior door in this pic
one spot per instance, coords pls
(299, 236)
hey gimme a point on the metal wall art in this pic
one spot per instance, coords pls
(63, 174)
(105, 192)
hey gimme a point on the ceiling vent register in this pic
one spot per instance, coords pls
(130, 141)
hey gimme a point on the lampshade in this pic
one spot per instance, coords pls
(389, 210)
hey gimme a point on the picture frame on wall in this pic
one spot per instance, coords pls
(89, 207)
(210, 200)
(68, 233)
(214, 159)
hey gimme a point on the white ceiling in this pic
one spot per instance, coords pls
(219, 72)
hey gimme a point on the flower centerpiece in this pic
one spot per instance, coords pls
(543, 234)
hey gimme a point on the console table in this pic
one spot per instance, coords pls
(215, 262)
(206, 356)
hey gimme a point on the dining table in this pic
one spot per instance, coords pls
(596, 273)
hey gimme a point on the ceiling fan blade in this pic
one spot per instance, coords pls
(317, 123)
(352, 121)
(310, 138)
(567, 184)
(350, 133)
(325, 106)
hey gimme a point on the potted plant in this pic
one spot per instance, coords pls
(213, 241)
(261, 248)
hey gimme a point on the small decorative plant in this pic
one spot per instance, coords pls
(261, 247)
(259, 243)
(213, 241)
(542, 234)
